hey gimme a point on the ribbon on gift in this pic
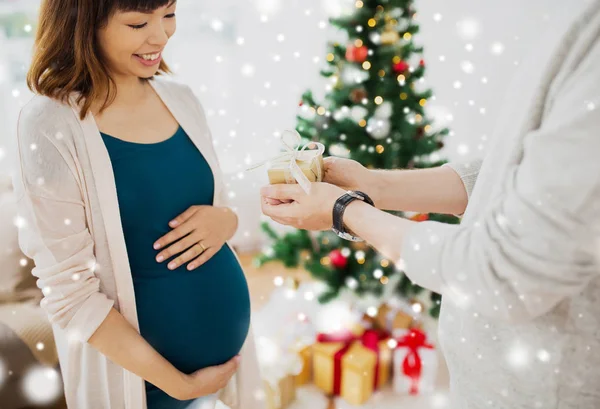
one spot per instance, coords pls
(295, 151)
(369, 339)
(412, 365)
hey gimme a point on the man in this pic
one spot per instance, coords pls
(520, 320)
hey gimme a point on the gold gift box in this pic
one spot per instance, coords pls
(399, 320)
(358, 374)
(305, 376)
(282, 395)
(279, 172)
(358, 369)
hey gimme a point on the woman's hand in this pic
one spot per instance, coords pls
(197, 235)
(290, 205)
(206, 381)
(350, 175)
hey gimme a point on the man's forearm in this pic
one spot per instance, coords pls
(436, 190)
(383, 231)
(123, 345)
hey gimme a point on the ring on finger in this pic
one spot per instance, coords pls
(202, 247)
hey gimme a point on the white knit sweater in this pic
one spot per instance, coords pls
(520, 322)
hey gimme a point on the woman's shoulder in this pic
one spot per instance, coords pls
(40, 108)
(42, 117)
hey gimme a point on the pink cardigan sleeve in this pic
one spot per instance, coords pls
(53, 228)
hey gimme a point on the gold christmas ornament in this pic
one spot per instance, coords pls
(305, 255)
(389, 37)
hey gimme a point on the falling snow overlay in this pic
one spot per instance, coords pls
(252, 60)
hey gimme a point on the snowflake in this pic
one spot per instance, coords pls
(468, 28)
(543, 355)
(463, 149)
(248, 70)
(497, 48)
(217, 25)
(42, 385)
(518, 356)
(440, 400)
(467, 67)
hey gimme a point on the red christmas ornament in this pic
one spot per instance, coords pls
(338, 260)
(420, 217)
(301, 103)
(400, 66)
(357, 54)
(422, 63)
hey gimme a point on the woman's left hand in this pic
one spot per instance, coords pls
(197, 235)
(290, 205)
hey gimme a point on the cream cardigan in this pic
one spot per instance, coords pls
(70, 226)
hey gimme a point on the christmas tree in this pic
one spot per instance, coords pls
(374, 112)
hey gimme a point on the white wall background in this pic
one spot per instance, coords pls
(250, 60)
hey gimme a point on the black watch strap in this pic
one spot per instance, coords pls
(340, 207)
(338, 210)
(365, 197)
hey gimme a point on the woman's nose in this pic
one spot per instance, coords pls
(159, 37)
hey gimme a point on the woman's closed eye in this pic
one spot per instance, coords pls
(140, 26)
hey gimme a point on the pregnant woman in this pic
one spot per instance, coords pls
(124, 212)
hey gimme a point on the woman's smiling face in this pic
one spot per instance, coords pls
(132, 41)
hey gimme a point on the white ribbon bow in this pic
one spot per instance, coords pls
(291, 141)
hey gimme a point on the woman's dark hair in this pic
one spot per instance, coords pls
(66, 55)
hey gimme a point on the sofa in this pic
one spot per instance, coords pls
(26, 339)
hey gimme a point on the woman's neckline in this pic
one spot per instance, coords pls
(179, 128)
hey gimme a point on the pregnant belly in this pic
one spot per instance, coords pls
(195, 318)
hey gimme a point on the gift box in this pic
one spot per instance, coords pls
(352, 365)
(415, 364)
(302, 164)
(392, 319)
(281, 394)
(281, 172)
(305, 375)
(278, 368)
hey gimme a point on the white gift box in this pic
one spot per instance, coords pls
(426, 381)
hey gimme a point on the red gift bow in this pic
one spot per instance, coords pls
(370, 340)
(412, 365)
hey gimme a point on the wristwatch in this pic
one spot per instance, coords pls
(338, 213)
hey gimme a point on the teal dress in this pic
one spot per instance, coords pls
(197, 318)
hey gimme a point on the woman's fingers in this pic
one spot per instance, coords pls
(188, 255)
(210, 380)
(275, 202)
(282, 192)
(177, 247)
(183, 216)
(173, 235)
(203, 258)
(227, 370)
